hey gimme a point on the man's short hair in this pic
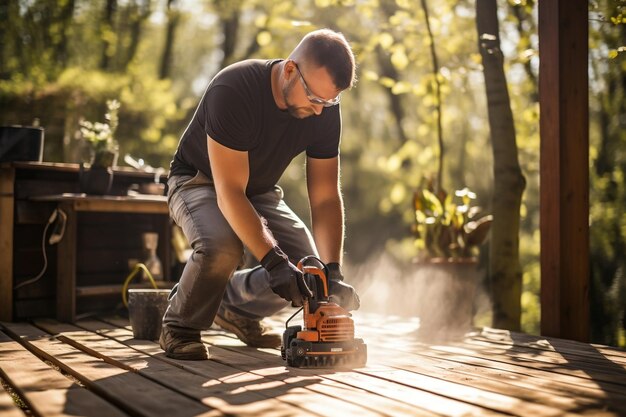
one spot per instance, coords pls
(329, 49)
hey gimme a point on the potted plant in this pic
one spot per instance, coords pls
(447, 227)
(104, 151)
(448, 232)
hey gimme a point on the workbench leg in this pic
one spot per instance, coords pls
(66, 267)
(7, 202)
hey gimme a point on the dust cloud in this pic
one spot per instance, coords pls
(442, 299)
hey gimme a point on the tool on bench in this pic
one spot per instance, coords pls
(326, 339)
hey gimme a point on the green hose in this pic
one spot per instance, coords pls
(130, 276)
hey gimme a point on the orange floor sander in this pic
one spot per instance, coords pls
(326, 340)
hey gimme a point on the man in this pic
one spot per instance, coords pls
(253, 119)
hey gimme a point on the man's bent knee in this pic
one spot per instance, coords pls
(220, 261)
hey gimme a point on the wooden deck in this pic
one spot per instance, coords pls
(96, 368)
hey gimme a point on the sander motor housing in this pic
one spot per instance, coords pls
(326, 338)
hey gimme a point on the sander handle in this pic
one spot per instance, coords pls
(316, 271)
(320, 273)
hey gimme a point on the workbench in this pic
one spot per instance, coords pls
(102, 237)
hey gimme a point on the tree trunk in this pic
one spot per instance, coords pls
(228, 12)
(59, 46)
(139, 13)
(173, 17)
(107, 25)
(389, 8)
(230, 28)
(509, 183)
(5, 15)
(395, 100)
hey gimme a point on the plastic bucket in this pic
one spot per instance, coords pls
(146, 308)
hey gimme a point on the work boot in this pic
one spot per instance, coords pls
(180, 345)
(249, 331)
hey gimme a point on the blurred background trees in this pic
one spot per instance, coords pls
(61, 60)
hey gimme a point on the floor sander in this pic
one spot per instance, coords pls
(326, 338)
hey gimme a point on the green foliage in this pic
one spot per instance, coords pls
(148, 120)
(607, 174)
(62, 60)
(448, 226)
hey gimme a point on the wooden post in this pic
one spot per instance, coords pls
(7, 201)
(564, 169)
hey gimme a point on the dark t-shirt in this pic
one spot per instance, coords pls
(238, 111)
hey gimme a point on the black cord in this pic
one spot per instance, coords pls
(45, 261)
(292, 316)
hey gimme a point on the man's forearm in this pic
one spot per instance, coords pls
(245, 221)
(328, 229)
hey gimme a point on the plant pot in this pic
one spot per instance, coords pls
(95, 180)
(446, 302)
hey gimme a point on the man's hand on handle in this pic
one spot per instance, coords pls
(285, 279)
(340, 292)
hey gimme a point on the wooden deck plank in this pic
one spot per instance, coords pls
(46, 391)
(611, 380)
(575, 385)
(602, 389)
(499, 397)
(503, 403)
(494, 337)
(431, 403)
(397, 392)
(468, 354)
(427, 366)
(305, 389)
(405, 376)
(496, 401)
(495, 382)
(128, 391)
(575, 380)
(590, 360)
(529, 393)
(8, 408)
(361, 396)
(383, 333)
(550, 343)
(590, 392)
(567, 396)
(392, 335)
(586, 376)
(276, 370)
(555, 403)
(225, 390)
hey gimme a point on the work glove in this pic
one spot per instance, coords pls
(341, 293)
(285, 279)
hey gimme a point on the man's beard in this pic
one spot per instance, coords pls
(295, 111)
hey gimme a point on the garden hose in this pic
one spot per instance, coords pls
(136, 269)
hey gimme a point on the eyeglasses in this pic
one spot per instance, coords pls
(315, 99)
